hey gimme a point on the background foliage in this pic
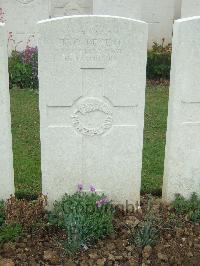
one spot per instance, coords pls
(159, 62)
(23, 68)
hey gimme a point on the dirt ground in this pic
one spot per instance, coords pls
(179, 245)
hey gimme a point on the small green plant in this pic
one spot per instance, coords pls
(2, 213)
(190, 207)
(145, 234)
(171, 222)
(9, 232)
(195, 216)
(181, 205)
(85, 216)
(147, 231)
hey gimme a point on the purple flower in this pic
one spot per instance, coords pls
(28, 54)
(102, 202)
(92, 188)
(80, 187)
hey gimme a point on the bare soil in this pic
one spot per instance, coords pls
(179, 245)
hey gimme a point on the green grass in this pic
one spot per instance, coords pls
(26, 144)
(154, 139)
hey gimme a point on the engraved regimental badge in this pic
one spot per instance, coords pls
(92, 116)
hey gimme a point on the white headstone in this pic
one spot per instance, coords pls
(92, 92)
(182, 162)
(159, 14)
(6, 161)
(190, 8)
(21, 17)
(61, 8)
(122, 8)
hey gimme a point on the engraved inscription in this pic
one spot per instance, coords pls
(92, 117)
(92, 49)
(95, 42)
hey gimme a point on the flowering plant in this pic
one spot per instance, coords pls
(86, 216)
(23, 68)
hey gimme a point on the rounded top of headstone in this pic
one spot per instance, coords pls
(91, 17)
(194, 18)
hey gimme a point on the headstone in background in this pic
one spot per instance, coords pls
(92, 94)
(159, 14)
(61, 8)
(125, 8)
(6, 158)
(177, 12)
(190, 8)
(21, 17)
(182, 162)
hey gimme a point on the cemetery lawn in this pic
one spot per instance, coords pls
(26, 144)
(154, 139)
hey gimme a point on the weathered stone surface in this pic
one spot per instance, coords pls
(125, 8)
(92, 90)
(6, 161)
(190, 8)
(182, 167)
